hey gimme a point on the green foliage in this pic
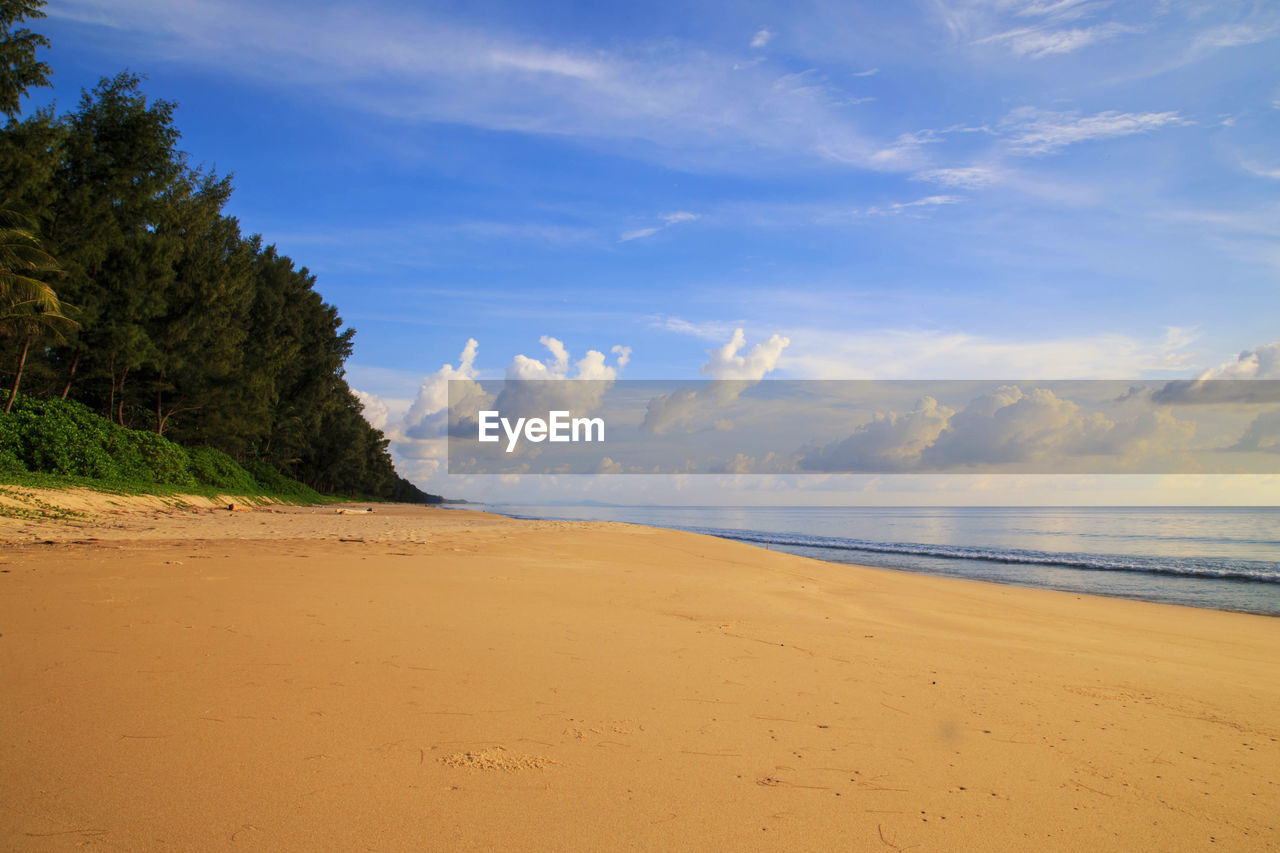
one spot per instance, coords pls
(19, 68)
(215, 468)
(167, 462)
(10, 461)
(65, 438)
(273, 482)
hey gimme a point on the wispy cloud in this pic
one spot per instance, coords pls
(927, 201)
(1033, 131)
(915, 353)
(691, 103)
(1236, 35)
(1030, 28)
(1260, 169)
(637, 234)
(960, 177)
(916, 207)
(708, 330)
(667, 219)
(1039, 42)
(761, 38)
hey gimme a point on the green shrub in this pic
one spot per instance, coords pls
(272, 481)
(61, 437)
(10, 451)
(212, 467)
(167, 462)
(64, 437)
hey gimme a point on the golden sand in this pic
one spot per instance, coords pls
(410, 679)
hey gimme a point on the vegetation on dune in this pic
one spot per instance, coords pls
(129, 298)
(65, 439)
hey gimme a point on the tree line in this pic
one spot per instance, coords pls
(124, 285)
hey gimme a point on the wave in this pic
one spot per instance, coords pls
(1217, 569)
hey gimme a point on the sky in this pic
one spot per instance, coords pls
(941, 189)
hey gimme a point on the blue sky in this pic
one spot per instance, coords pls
(934, 189)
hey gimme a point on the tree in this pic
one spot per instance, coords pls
(19, 68)
(120, 158)
(199, 333)
(28, 306)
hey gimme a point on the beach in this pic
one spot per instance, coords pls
(290, 678)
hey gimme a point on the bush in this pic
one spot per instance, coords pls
(52, 436)
(167, 462)
(10, 460)
(271, 480)
(64, 437)
(212, 467)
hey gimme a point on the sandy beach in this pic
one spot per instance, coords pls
(294, 678)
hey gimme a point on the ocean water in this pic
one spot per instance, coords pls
(1219, 557)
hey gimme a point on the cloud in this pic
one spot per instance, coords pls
(1030, 29)
(1039, 42)
(928, 201)
(1258, 363)
(962, 177)
(433, 394)
(726, 363)
(942, 354)
(529, 393)
(1261, 170)
(1008, 426)
(1031, 131)
(1013, 426)
(1263, 435)
(608, 466)
(420, 435)
(373, 409)
(591, 366)
(889, 442)
(761, 38)
(637, 234)
(690, 103)
(668, 219)
(1216, 385)
(731, 372)
(916, 207)
(710, 330)
(1235, 35)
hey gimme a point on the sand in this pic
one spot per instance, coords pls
(411, 679)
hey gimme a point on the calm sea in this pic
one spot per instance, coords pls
(1225, 558)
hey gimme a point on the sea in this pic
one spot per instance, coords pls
(1227, 558)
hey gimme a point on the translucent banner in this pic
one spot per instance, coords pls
(863, 426)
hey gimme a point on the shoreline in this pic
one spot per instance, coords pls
(1164, 583)
(420, 677)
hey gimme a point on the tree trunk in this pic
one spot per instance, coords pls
(120, 399)
(75, 362)
(17, 377)
(160, 415)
